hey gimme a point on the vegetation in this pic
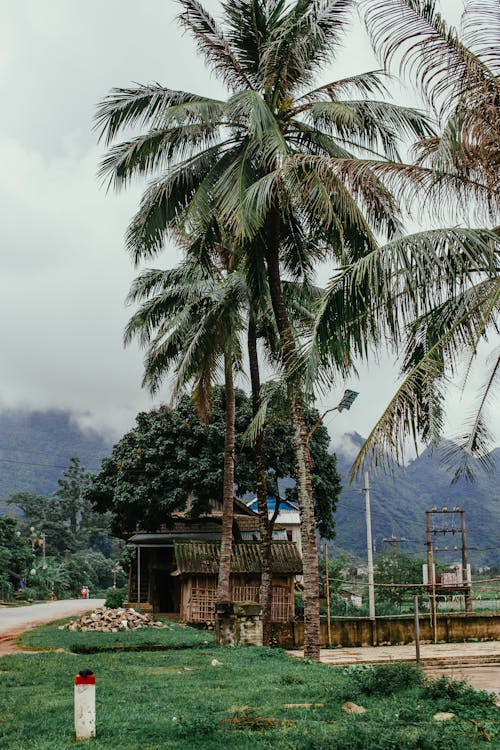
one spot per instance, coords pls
(59, 545)
(171, 636)
(280, 164)
(397, 568)
(172, 455)
(434, 294)
(14, 557)
(246, 698)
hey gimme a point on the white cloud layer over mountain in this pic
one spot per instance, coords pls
(65, 274)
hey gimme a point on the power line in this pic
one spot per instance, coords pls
(48, 466)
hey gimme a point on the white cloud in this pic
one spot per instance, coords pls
(65, 274)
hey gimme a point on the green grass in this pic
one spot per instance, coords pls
(178, 699)
(172, 636)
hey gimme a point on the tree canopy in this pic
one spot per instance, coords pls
(171, 457)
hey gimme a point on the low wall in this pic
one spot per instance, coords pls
(385, 631)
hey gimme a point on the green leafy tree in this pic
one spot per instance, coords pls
(279, 160)
(172, 456)
(15, 556)
(398, 569)
(44, 515)
(66, 518)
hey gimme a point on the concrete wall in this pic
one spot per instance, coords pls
(360, 631)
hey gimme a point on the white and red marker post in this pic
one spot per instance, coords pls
(85, 705)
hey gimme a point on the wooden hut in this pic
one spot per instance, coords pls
(198, 566)
(165, 574)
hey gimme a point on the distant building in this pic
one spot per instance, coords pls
(287, 525)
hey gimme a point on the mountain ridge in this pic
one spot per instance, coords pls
(399, 500)
(36, 446)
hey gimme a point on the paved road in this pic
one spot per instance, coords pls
(23, 618)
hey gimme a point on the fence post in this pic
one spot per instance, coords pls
(417, 630)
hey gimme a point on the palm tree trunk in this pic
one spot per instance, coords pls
(223, 588)
(301, 449)
(266, 583)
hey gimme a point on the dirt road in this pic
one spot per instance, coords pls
(15, 620)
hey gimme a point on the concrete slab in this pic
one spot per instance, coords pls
(477, 663)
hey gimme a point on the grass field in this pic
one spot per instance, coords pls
(204, 696)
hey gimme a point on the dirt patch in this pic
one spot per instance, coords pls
(8, 642)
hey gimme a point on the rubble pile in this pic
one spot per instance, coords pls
(107, 620)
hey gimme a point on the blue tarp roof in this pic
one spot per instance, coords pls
(271, 504)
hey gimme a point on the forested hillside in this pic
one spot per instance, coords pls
(35, 449)
(36, 446)
(399, 502)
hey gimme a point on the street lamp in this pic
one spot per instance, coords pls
(347, 401)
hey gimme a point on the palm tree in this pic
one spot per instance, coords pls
(189, 319)
(437, 291)
(435, 294)
(305, 169)
(457, 71)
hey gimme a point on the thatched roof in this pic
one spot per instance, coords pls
(203, 557)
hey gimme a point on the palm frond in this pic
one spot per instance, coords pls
(370, 124)
(212, 44)
(304, 40)
(481, 31)
(412, 407)
(367, 84)
(153, 151)
(166, 200)
(430, 49)
(388, 289)
(464, 453)
(145, 106)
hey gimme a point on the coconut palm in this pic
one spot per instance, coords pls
(437, 291)
(436, 294)
(190, 322)
(457, 71)
(306, 169)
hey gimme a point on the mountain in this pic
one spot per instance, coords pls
(35, 448)
(399, 500)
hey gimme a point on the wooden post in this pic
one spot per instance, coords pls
(369, 550)
(84, 705)
(327, 586)
(139, 577)
(417, 630)
(433, 594)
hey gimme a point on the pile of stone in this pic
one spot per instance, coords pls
(107, 620)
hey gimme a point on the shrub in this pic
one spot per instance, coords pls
(115, 598)
(299, 605)
(454, 693)
(386, 679)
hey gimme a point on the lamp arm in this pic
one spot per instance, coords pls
(317, 424)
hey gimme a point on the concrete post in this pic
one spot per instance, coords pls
(85, 705)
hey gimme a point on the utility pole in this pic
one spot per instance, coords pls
(327, 587)
(465, 582)
(432, 574)
(395, 541)
(449, 581)
(371, 586)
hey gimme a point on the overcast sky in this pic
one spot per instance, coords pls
(65, 273)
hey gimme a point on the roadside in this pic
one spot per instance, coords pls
(15, 620)
(476, 663)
